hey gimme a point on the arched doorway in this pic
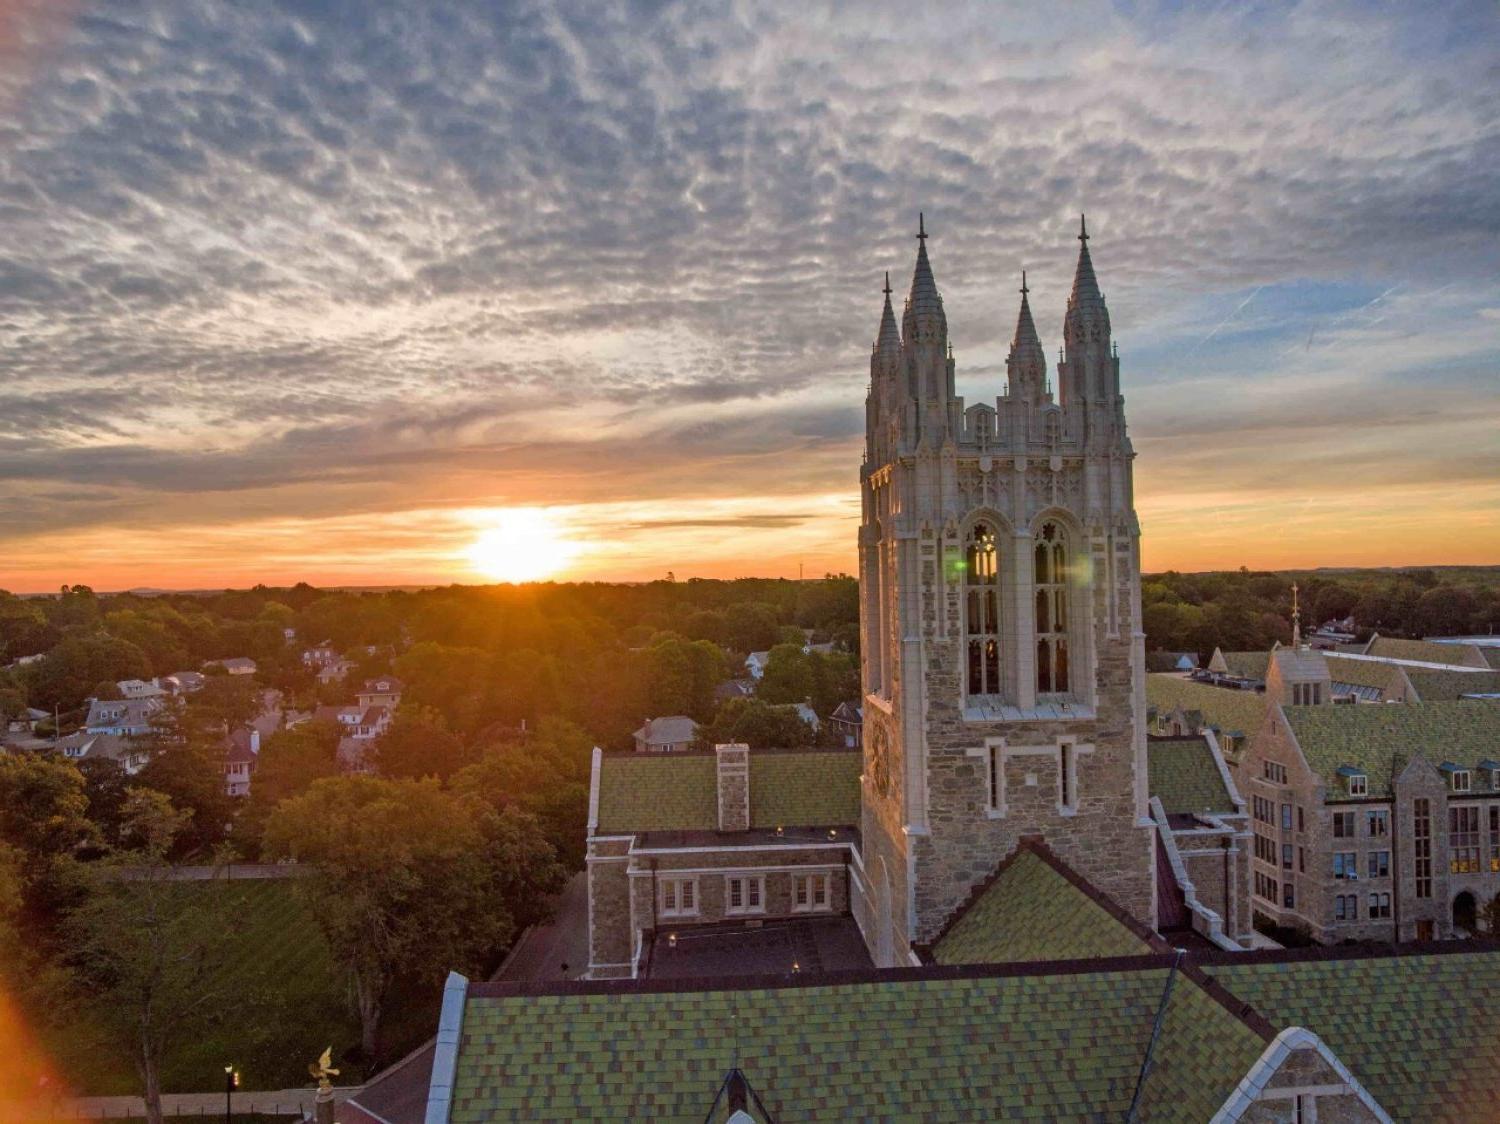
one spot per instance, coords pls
(882, 953)
(1465, 913)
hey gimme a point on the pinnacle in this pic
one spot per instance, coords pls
(924, 300)
(1026, 346)
(888, 339)
(1085, 284)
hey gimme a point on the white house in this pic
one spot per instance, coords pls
(666, 735)
(755, 663)
(127, 718)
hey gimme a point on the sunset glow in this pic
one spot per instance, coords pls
(524, 545)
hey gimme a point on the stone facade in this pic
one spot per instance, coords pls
(1003, 659)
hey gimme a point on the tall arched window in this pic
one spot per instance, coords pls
(982, 610)
(1051, 578)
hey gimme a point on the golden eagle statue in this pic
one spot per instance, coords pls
(323, 1069)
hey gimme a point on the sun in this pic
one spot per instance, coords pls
(525, 544)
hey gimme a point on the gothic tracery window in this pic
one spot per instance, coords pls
(1051, 578)
(982, 610)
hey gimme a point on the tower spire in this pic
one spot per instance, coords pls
(888, 338)
(924, 307)
(1085, 284)
(1296, 621)
(1026, 353)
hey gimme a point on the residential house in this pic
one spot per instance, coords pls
(383, 691)
(241, 752)
(127, 718)
(236, 665)
(320, 655)
(131, 754)
(141, 689)
(674, 734)
(184, 682)
(734, 689)
(335, 671)
(755, 664)
(848, 721)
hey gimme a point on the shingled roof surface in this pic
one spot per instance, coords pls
(678, 791)
(1426, 651)
(1233, 712)
(1417, 1030)
(1051, 1045)
(1361, 673)
(1378, 738)
(1445, 686)
(1184, 774)
(1247, 665)
(1030, 910)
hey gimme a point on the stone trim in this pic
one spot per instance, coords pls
(445, 1054)
(1253, 1087)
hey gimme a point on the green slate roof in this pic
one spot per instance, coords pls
(1030, 911)
(1376, 738)
(678, 791)
(1184, 774)
(994, 1047)
(1445, 686)
(1393, 648)
(805, 789)
(1418, 1031)
(1233, 712)
(1247, 665)
(1491, 657)
(1360, 673)
(657, 792)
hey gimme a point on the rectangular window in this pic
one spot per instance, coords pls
(1300, 825)
(1377, 823)
(1346, 907)
(1275, 772)
(810, 893)
(1343, 825)
(746, 894)
(1286, 817)
(1463, 839)
(1286, 856)
(1357, 785)
(1379, 864)
(1380, 906)
(679, 897)
(1065, 775)
(1345, 866)
(1495, 838)
(1421, 833)
(1287, 898)
(1301, 860)
(1461, 779)
(996, 764)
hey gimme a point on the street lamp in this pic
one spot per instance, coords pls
(231, 1082)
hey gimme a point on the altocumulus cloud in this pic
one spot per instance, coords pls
(304, 259)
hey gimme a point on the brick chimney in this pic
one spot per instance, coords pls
(734, 786)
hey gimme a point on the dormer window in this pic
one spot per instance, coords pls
(1358, 784)
(1460, 777)
(1490, 771)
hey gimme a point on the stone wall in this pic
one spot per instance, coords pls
(610, 937)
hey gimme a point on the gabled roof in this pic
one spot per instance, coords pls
(1380, 739)
(640, 792)
(1034, 907)
(1246, 665)
(1427, 651)
(1416, 1026)
(1360, 673)
(383, 685)
(1229, 710)
(1185, 775)
(1445, 686)
(672, 730)
(1045, 1042)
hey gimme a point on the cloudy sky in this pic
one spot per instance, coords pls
(329, 290)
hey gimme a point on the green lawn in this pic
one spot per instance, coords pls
(284, 1001)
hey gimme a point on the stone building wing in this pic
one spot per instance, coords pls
(1243, 665)
(1367, 679)
(1417, 1029)
(1185, 776)
(1379, 740)
(1035, 908)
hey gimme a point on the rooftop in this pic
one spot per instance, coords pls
(1185, 775)
(1230, 711)
(1380, 740)
(814, 945)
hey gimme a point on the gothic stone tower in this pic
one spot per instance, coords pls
(1003, 667)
